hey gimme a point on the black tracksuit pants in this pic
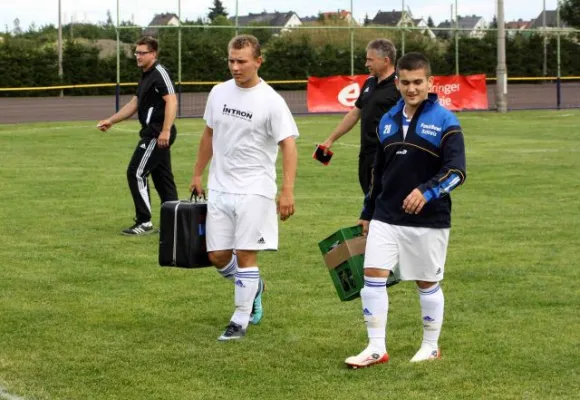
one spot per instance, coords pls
(150, 159)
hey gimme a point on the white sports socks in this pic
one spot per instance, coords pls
(246, 285)
(375, 304)
(432, 304)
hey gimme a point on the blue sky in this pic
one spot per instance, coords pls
(43, 12)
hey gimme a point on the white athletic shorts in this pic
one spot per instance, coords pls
(412, 254)
(241, 222)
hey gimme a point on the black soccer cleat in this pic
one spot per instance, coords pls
(233, 331)
(138, 229)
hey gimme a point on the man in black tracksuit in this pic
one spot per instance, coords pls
(156, 105)
(377, 96)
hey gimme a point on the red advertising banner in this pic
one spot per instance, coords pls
(339, 93)
(333, 93)
(458, 92)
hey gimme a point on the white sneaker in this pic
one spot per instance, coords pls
(426, 353)
(367, 358)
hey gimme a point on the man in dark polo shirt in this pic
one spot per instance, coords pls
(378, 95)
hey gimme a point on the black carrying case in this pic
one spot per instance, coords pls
(182, 234)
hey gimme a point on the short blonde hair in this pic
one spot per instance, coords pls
(241, 41)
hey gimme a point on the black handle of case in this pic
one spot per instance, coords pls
(197, 198)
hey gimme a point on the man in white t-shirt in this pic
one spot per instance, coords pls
(246, 123)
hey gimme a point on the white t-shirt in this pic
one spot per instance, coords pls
(247, 126)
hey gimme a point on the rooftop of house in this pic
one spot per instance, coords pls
(551, 20)
(389, 18)
(519, 24)
(264, 18)
(162, 19)
(336, 14)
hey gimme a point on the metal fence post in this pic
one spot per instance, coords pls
(118, 86)
(351, 38)
(501, 83)
(456, 41)
(403, 30)
(179, 60)
(558, 72)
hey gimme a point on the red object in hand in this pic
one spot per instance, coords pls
(322, 154)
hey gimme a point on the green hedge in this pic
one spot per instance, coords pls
(32, 62)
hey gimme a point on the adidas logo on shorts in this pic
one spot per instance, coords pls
(261, 241)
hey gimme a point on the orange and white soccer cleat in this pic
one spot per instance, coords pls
(426, 353)
(367, 358)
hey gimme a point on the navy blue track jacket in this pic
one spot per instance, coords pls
(430, 158)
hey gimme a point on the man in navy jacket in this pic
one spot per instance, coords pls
(407, 212)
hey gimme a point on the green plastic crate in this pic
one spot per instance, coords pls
(338, 237)
(348, 277)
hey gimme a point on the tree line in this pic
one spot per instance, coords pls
(30, 58)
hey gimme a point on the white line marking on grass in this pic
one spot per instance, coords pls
(116, 128)
(137, 131)
(309, 122)
(341, 144)
(4, 395)
(345, 199)
(552, 116)
(346, 145)
(471, 116)
(56, 128)
(22, 129)
(547, 151)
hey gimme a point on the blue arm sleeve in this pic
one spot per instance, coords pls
(452, 174)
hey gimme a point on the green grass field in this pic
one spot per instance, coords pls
(86, 313)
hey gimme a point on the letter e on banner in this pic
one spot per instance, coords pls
(333, 93)
(347, 96)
